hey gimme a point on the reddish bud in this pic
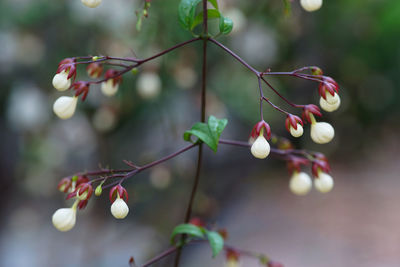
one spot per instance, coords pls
(82, 189)
(328, 84)
(197, 221)
(114, 75)
(292, 120)
(261, 125)
(223, 233)
(81, 88)
(316, 71)
(82, 179)
(64, 185)
(67, 65)
(94, 70)
(118, 189)
(295, 163)
(310, 109)
(232, 254)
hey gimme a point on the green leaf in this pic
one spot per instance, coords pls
(214, 3)
(209, 132)
(287, 7)
(211, 14)
(187, 12)
(188, 229)
(216, 242)
(225, 25)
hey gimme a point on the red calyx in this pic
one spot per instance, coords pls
(310, 109)
(232, 254)
(64, 185)
(328, 84)
(114, 75)
(82, 179)
(295, 163)
(81, 88)
(95, 69)
(67, 61)
(292, 120)
(255, 132)
(320, 163)
(118, 189)
(70, 67)
(197, 221)
(85, 187)
(82, 204)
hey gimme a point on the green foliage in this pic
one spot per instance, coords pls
(287, 7)
(225, 25)
(216, 242)
(187, 229)
(208, 133)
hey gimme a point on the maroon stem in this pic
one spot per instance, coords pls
(160, 256)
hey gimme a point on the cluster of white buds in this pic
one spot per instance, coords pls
(91, 3)
(321, 132)
(260, 148)
(148, 85)
(311, 5)
(118, 196)
(328, 89)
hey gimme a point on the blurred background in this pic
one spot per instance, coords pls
(357, 42)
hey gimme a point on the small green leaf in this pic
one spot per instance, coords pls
(187, 12)
(188, 229)
(211, 14)
(214, 3)
(225, 25)
(208, 133)
(216, 242)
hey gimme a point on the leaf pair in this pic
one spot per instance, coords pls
(189, 20)
(208, 133)
(215, 240)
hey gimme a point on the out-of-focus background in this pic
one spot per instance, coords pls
(357, 42)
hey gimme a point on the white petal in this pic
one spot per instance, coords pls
(322, 132)
(332, 99)
(148, 85)
(65, 106)
(119, 209)
(329, 107)
(260, 148)
(108, 88)
(323, 183)
(64, 219)
(298, 132)
(61, 81)
(311, 5)
(91, 3)
(300, 183)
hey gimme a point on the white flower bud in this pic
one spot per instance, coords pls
(119, 209)
(91, 3)
(332, 99)
(325, 105)
(260, 148)
(298, 132)
(61, 81)
(148, 85)
(108, 88)
(323, 183)
(64, 219)
(311, 5)
(300, 183)
(65, 106)
(322, 132)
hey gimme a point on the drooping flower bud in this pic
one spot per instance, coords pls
(300, 183)
(91, 3)
(294, 125)
(148, 85)
(324, 182)
(322, 132)
(260, 148)
(119, 209)
(61, 81)
(65, 106)
(311, 5)
(329, 89)
(84, 191)
(64, 219)
(325, 105)
(110, 87)
(98, 190)
(94, 70)
(64, 185)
